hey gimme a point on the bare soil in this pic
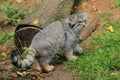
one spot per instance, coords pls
(92, 7)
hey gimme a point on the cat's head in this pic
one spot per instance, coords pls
(77, 21)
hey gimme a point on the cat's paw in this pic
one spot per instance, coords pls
(78, 49)
(49, 68)
(71, 58)
(35, 66)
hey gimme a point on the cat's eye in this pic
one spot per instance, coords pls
(71, 18)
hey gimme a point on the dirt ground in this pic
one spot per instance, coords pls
(92, 7)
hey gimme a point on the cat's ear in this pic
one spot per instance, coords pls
(70, 20)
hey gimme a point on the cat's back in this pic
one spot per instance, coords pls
(54, 27)
(51, 34)
(52, 30)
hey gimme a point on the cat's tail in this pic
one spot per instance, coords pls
(23, 63)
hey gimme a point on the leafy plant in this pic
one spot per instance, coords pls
(14, 14)
(6, 37)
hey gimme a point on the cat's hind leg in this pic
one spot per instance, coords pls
(45, 60)
(36, 65)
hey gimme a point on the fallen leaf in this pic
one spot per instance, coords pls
(43, 75)
(21, 74)
(3, 48)
(13, 74)
(35, 73)
(40, 78)
(4, 62)
(4, 54)
(24, 72)
(36, 21)
(110, 28)
(8, 67)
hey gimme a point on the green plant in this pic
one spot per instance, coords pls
(117, 3)
(5, 38)
(14, 14)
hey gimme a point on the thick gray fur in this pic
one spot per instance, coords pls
(58, 36)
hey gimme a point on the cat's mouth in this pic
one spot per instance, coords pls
(79, 24)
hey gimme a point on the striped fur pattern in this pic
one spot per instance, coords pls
(53, 38)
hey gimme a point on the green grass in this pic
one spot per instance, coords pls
(117, 3)
(6, 38)
(102, 61)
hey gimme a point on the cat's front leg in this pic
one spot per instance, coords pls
(69, 55)
(78, 49)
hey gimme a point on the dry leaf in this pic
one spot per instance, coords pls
(21, 74)
(24, 73)
(36, 21)
(110, 28)
(43, 75)
(13, 74)
(35, 73)
(40, 78)
(4, 54)
(3, 48)
(8, 67)
(4, 62)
